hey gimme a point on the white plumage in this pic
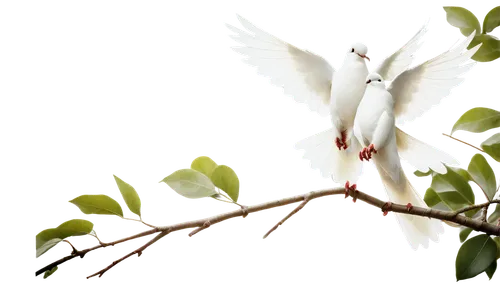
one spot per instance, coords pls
(409, 95)
(311, 79)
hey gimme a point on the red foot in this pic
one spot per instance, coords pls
(366, 153)
(409, 206)
(338, 143)
(342, 142)
(386, 213)
(348, 188)
(344, 138)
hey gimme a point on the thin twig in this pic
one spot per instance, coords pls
(463, 142)
(139, 220)
(74, 249)
(473, 207)
(477, 225)
(296, 210)
(137, 251)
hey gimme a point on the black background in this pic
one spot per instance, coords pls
(137, 88)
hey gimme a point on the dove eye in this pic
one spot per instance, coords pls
(369, 81)
(352, 51)
(380, 80)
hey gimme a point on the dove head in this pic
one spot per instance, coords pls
(374, 79)
(359, 49)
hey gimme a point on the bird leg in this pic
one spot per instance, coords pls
(344, 138)
(409, 206)
(366, 153)
(386, 208)
(342, 142)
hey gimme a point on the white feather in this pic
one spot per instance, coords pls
(374, 124)
(324, 156)
(418, 89)
(400, 60)
(417, 230)
(421, 155)
(302, 74)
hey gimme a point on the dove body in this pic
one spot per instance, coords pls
(375, 127)
(347, 91)
(376, 102)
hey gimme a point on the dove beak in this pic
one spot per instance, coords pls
(364, 57)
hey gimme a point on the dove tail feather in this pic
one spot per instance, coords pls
(323, 154)
(418, 230)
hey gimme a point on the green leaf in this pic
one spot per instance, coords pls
(422, 174)
(495, 215)
(453, 189)
(464, 233)
(225, 179)
(497, 241)
(98, 204)
(483, 175)
(492, 20)
(492, 146)
(46, 246)
(46, 239)
(431, 198)
(474, 256)
(130, 196)
(489, 50)
(190, 184)
(204, 165)
(463, 173)
(478, 120)
(490, 271)
(76, 227)
(463, 19)
(49, 273)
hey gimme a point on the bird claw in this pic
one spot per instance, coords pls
(409, 206)
(386, 213)
(338, 143)
(366, 153)
(349, 188)
(342, 142)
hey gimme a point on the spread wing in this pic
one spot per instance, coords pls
(420, 155)
(417, 89)
(402, 58)
(302, 74)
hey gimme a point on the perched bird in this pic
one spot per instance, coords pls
(310, 79)
(410, 94)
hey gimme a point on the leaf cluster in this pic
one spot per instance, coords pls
(204, 179)
(477, 253)
(467, 22)
(88, 204)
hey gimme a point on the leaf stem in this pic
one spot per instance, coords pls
(71, 245)
(139, 221)
(463, 142)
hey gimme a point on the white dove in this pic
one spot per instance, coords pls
(312, 80)
(410, 94)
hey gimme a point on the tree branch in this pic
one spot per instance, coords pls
(201, 224)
